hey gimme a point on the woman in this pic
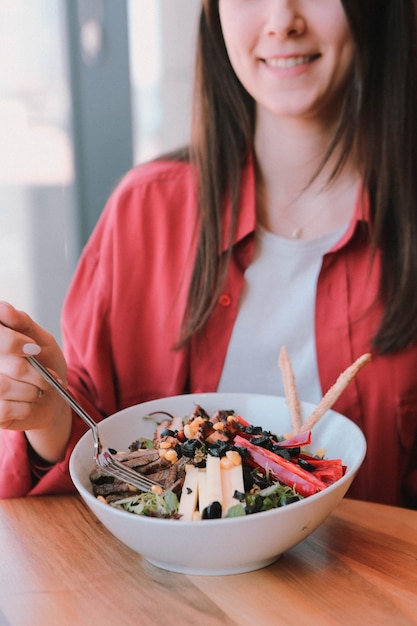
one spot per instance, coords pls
(290, 220)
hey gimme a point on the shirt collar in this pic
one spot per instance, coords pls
(246, 224)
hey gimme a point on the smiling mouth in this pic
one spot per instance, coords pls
(285, 62)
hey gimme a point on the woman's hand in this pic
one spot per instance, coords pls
(27, 402)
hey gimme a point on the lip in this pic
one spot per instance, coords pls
(290, 60)
(290, 64)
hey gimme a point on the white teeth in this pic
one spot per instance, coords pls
(288, 61)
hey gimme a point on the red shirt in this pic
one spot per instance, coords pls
(124, 308)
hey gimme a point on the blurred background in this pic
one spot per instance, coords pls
(88, 88)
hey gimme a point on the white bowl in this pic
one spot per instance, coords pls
(220, 546)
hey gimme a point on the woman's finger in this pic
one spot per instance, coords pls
(15, 369)
(12, 390)
(21, 336)
(17, 331)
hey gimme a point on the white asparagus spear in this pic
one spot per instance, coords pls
(202, 490)
(214, 481)
(189, 494)
(232, 481)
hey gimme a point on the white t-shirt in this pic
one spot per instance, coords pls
(277, 308)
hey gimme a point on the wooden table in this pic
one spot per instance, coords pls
(59, 566)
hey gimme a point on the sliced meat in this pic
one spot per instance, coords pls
(115, 487)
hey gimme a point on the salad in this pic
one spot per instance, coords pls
(218, 465)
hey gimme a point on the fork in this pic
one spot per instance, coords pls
(102, 456)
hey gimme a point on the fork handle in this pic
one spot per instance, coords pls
(66, 396)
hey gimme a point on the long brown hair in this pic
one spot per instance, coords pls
(379, 115)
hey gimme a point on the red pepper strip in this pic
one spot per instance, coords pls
(244, 435)
(329, 474)
(241, 421)
(317, 462)
(305, 483)
(296, 441)
(327, 470)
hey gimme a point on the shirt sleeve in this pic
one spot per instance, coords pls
(122, 314)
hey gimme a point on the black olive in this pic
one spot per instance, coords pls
(168, 433)
(190, 447)
(260, 480)
(282, 452)
(263, 441)
(309, 467)
(219, 448)
(212, 511)
(253, 430)
(254, 507)
(289, 500)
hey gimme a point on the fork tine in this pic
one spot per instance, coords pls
(103, 458)
(124, 473)
(136, 481)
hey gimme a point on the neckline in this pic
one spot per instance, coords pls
(328, 240)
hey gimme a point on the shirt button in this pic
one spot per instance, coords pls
(225, 300)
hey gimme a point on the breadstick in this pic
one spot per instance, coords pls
(290, 390)
(335, 391)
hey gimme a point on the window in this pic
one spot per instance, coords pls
(36, 159)
(66, 125)
(162, 51)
